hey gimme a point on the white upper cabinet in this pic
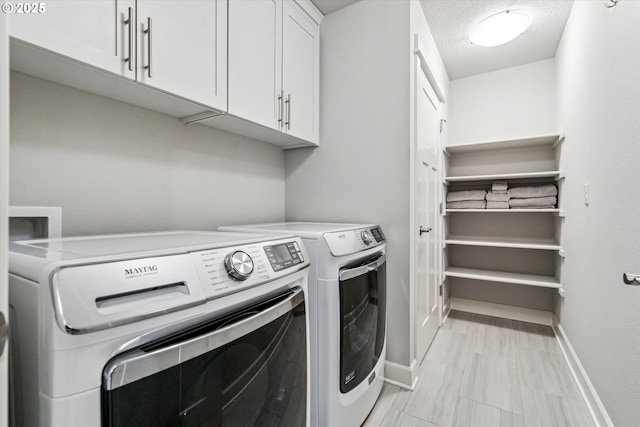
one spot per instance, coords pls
(184, 53)
(250, 67)
(92, 32)
(255, 64)
(182, 49)
(274, 51)
(300, 72)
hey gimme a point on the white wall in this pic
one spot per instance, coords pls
(599, 107)
(113, 167)
(518, 101)
(360, 172)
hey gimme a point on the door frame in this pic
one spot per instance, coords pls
(4, 211)
(420, 64)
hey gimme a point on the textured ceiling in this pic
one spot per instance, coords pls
(452, 20)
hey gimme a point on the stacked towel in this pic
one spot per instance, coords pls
(499, 187)
(459, 196)
(533, 191)
(471, 199)
(467, 204)
(498, 198)
(533, 197)
(497, 205)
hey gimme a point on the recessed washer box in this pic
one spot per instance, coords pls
(35, 222)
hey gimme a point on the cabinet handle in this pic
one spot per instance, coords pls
(631, 279)
(148, 33)
(280, 98)
(288, 105)
(129, 22)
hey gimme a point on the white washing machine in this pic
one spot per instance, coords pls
(171, 329)
(347, 311)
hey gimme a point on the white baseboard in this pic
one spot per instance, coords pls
(401, 375)
(591, 398)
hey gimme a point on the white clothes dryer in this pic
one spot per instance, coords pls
(171, 329)
(347, 311)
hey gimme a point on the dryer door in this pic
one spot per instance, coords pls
(363, 295)
(246, 369)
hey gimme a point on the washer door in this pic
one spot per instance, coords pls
(363, 289)
(245, 369)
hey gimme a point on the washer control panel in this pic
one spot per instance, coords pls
(352, 241)
(284, 255)
(227, 270)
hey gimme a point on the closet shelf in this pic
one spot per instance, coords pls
(555, 175)
(532, 141)
(541, 244)
(557, 211)
(522, 314)
(503, 277)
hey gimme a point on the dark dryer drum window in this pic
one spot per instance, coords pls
(363, 297)
(258, 379)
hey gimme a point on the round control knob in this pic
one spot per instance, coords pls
(239, 265)
(367, 237)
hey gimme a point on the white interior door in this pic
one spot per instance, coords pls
(427, 302)
(4, 212)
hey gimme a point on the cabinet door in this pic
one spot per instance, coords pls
(255, 62)
(92, 32)
(182, 49)
(300, 72)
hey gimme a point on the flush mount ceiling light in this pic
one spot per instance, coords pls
(500, 28)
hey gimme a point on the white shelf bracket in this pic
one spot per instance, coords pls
(561, 291)
(559, 141)
(562, 213)
(561, 253)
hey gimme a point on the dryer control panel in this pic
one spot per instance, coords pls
(352, 241)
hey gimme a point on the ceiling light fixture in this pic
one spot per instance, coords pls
(500, 28)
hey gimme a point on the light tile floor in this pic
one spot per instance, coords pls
(482, 371)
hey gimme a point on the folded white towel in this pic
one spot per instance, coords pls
(459, 196)
(533, 191)
(497, 205)
(499, 187)
(497, 197)
(467, 204)
(533, 202)
(533, 207)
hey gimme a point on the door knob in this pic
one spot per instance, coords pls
(422, 230)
